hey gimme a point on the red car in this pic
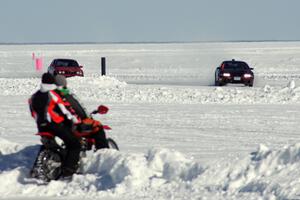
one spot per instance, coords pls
(234, 72)
(65, 67)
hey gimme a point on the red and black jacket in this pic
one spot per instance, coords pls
(48, 107)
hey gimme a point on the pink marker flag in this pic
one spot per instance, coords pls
(33, 56)
(38, 64)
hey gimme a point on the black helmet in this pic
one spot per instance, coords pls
(60, 80)
(47, 78)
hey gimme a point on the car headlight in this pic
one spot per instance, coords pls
(226, 74)
(247, 75)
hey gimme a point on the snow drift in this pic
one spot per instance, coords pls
(113, 90)
(106, 171)
(109, 173)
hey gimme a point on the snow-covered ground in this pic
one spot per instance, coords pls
(180, 136)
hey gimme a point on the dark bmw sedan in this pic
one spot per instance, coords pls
(234, 72)
(65, 67)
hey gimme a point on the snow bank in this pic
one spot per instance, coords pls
(160, 173)
(109, 89)
(26, 86)
(106, 172)
(8, 146)
(266, 172)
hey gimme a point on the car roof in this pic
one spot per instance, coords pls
(233, 61)
(64, 59)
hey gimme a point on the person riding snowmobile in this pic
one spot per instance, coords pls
(50, 114)
(73, 105)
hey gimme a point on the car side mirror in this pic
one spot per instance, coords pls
(80, 66)
(251, 68)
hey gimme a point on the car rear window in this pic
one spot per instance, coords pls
(66, 63)
(235, 66)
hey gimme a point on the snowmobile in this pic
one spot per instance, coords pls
(48, 163)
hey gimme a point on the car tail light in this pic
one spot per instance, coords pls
(226, 74)
(247, 75)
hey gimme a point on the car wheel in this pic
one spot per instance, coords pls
(216, 83)
(220, 83)
(251, 83)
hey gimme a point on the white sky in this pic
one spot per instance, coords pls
(148, 21)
